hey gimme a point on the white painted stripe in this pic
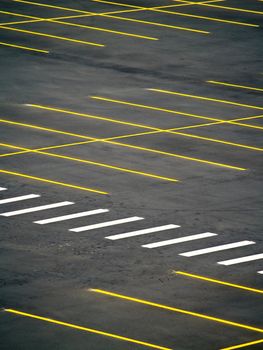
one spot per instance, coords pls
(179, 240)
(217, 248)
(3, 189)
(70, 216)
(142, 232)
(105, 224)
(241, 260)
(41, 207)
(261, 272)
(20, 198)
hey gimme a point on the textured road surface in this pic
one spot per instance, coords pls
(94, 103)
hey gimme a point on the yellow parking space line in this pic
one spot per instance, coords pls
(116, 17)
(156, 130)
(177, 310)
(157, 24)
(37, 127)
(51, 36)
(206, 98)
(41, 179)
(234, 85)
(110, 141)
(19, 22)
(230, 8)
(171, 111)
(57, 21)
(91, 116)
(208, 279)
(160, 9)
(90, 162)
(86, 329)
(23, 47)
(244, 345)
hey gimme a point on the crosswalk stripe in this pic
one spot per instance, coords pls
(70, 216)
(179, 240)
(33, 209)
(19, 198)
(142, 232)
(105, 224)
(3, 189)
(217, 248)
(241, 260)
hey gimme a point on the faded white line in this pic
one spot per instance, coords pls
(179, 240)
(217, 248)
(242, 259)
(3, 189)
(261, 272)
(105, 224)
(19, 198)
(70, 216)
(142, 232)
(33, 209)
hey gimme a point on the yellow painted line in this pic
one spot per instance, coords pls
(174, 309)
(159, 9)
(90, 116)
(51, 181)
(234, 85)
(231, 8)
(56, 20)
(120, 18)
(127, 145)
(244, 345)
(157, 130)
(85, 329)
(86, 161)
(46, 129)
(206, 98)
(20, 22)
(157, 24)
(51, 36)
(23, 47)
(104, 30)
(172, 111)
(207, 279)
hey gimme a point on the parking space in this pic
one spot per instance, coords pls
(130, 177)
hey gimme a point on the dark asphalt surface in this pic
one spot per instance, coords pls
(47, 270)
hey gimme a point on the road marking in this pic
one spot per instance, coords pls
(261, 272)
(241, 260)
(126, 145)
(90, 162)
(38, 208)
(233, 85)
(177, 310)
(51, 181)
(20, 198)
(219, 282)
(23, 47)
(206, 98)
(120, 18)
(156, 130)
(243, 345)
(57, 21)
(71, 216)
(179, 240)
(160, 9)
(51, 36)
(105, 224)
(142, 232)
(3, 189)
(230, 8)
(85, 329)
(217, 248)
